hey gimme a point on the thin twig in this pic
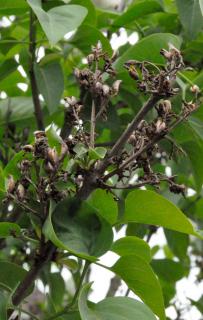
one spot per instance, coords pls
(93, 123)
(118, 147)
(67, 309)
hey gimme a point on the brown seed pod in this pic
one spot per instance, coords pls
(39, 134)
(116, 86)
(64, 151)
(28, 148)
(132, 139)
(20, 192)
(106, 90)
(167, 54)
(52, 156)
(90, 58)
(11, 184)
(160, 126)
(195, 89)
(49, 167)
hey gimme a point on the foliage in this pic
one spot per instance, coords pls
(94, 141)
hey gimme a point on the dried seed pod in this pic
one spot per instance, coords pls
(77, 73)
(25, 165)
(52, 156)
(11, 184)
(160, 126)
(20, 192)
(70, 101)
(177, 188)
(39, 134)
(134, 74)
(116, 86)
(28, 148)
(132, 139)
(167, 54)
(64, 151)
(195, 89)
(48, 167)
(167, 106)
(98, 87)
(105, 89)
(90, 58)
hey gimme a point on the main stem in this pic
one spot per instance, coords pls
(33, 83)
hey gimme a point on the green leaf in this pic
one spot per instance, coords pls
(75, 227)
(11, 274)
(80, 149)
(12, 167)
(57, 288)
(141, 279)
(201, 6)
(116, 308)
(54, 139)
(3, 306)
(8, 228)
(136, 11)
(148, 49)
(7, 67)
(91, 16)
(97, 153)
(178, 243)
(168, 270)
(9, 7)
(87, 36)
(59, 20)
(132, 246)
(19, 108)
(105, 204)
(190, 16)
(50, 83)
(148, 207)
(185, 135)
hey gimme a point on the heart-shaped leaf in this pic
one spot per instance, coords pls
(59, 20)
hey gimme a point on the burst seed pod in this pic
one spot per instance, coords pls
(160, 126)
